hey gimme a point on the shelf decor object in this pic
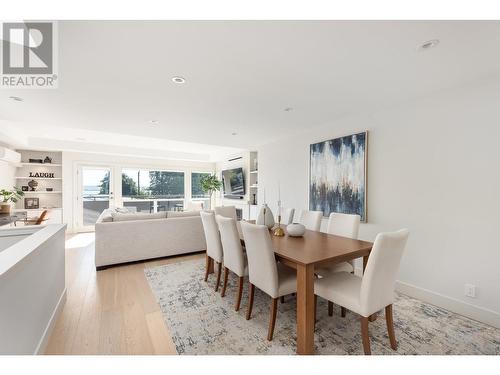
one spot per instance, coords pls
(32, 184)
(42, 174)
(31, 203)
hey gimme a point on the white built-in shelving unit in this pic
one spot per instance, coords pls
(47, 200)
(249, 162)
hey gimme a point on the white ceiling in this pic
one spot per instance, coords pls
(116, 76)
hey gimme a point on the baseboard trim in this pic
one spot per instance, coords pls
(44, 340)
(480, 314)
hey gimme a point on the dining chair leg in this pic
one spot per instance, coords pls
(240, 293)
(219, 271)
(251, 292)
(364, 335)
(315, 309)
(272, 319)
(207, 271)
(390, 327)
(224, 286)
(342, 311)
(282, 299)
(330, 308)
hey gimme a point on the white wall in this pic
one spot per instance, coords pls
(71, 160)
(7, 173)
(433, 167)
(32, 288)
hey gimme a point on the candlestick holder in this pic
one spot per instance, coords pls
(278, 231)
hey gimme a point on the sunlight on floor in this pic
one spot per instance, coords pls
(80, 240)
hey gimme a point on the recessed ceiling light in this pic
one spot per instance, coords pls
(153, 122)
(234, 133)
(429, 44)
(179, 80)
(16, 98)
(288, 109)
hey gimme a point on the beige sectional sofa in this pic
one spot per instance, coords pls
(128, 237)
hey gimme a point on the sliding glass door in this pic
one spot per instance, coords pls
(95, 194)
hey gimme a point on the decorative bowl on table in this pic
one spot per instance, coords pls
(296, 230)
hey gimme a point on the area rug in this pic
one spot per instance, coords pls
(202, 322)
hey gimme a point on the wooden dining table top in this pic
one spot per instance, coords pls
(317, 247)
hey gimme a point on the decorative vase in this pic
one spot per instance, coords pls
(33, 184)
(5, 208)
(266, 216)
(296, 230)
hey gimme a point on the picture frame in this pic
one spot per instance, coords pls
(338, 175)
(31, 203)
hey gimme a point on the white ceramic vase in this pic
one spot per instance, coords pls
(295, 230)
(266, 216)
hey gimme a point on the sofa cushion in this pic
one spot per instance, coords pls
(106, 218)
(171, 214)
(128, 217)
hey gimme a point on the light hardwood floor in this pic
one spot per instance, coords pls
(112, 311)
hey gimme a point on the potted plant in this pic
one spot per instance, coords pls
(9, 197)
(209, 184)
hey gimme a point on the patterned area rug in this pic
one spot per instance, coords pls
(201, 322)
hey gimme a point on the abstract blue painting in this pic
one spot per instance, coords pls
(338, 175)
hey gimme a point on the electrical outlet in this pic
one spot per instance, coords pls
(470, 290)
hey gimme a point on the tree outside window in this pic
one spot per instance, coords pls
(196, 189)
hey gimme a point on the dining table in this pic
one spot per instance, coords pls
(304, 254)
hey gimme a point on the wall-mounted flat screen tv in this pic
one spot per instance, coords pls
(234, 183)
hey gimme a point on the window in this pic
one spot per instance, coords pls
(144, 188)
(196, 190)
(168, 185)
(197, 193)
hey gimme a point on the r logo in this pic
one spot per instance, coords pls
(27, 48)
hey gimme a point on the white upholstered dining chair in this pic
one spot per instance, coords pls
(375, 290)
(226, 211)
(311, 219)
(344, 225)
(286, 216)
(234, 258)
(214, 245)
(274, 279)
